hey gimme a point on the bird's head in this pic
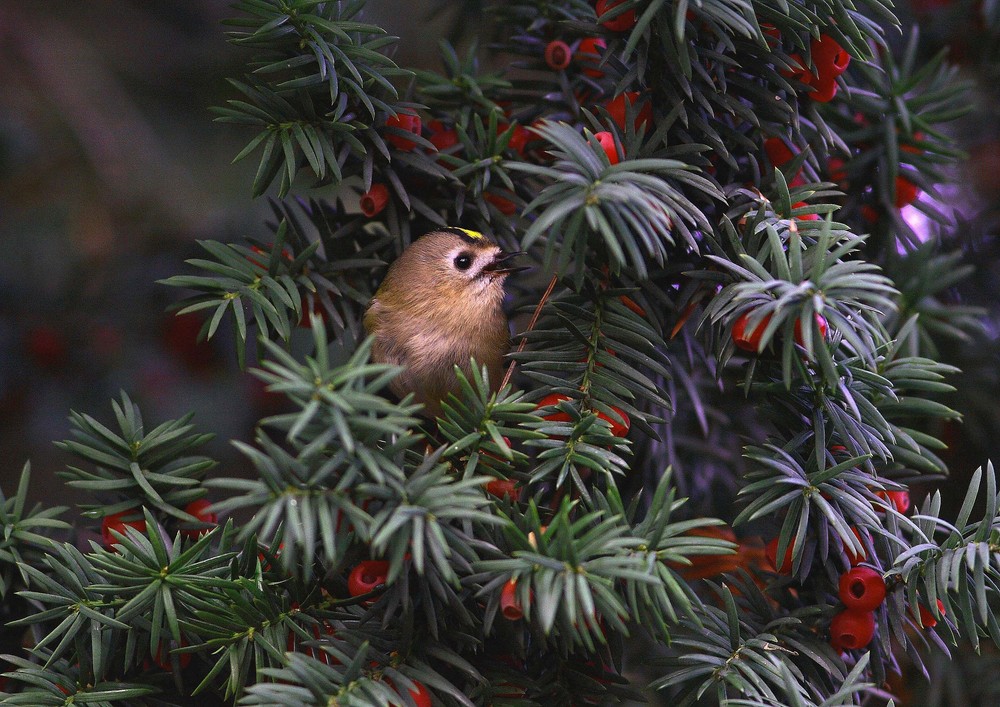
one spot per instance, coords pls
(451, 266)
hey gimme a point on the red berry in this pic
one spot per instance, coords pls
(749, 341)
(771, 550)
(589, 54)
(805, 217)
(820, 324)
(420, 696)
(836, 168)
(199, 510)
(366, 576)
(265, 261)
(551, 401)
(911, 148)
(899, 499)
(906, 192)
(502, 488)
(374, 200)
(510, 607)
(408, 122)
(503, 204)
(558, 55)
(442, 138)
(607, 141)
(162, 659)
(927, 618)
(115, 522)
(830, 60)
(618, 429)
(617, 109)
(850, 629)
(862, 589)
(778, 151)
(619, 23)
(520, 139)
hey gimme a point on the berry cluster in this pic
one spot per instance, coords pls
(861, 589)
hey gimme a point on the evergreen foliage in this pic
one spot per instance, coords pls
(738, 314)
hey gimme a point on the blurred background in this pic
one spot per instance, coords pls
(111, 168)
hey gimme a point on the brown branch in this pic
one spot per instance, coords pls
(531, 325)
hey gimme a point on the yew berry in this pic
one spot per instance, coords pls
(442, 137)
(420, 695)
(374, 200)
(771, 551)
(607, 141)
(551, 401)
(510, 607)
(830, 60)
(617, 109)
(927, 618)
(115, 522)
(805, 217)
(199, 509)
(502, 488)
(503, 204)
(851, 629)
(837, 169)
(749, 340)
(619, 23)
(618, 428)
(820, 324)
(519, 139)
(912, 148)
(906, 192)
(558, 55)
(408, 122)
(366, 576)
(778, 152)
(899, 499)
(862, 588)
(162, 659)
(589, 53)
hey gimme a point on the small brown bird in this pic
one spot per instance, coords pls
(441, 303)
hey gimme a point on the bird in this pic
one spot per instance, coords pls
(441, 304)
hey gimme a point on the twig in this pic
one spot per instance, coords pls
(531, 325)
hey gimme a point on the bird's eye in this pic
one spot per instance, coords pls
(463, 261)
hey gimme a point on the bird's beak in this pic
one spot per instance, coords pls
(500, 263)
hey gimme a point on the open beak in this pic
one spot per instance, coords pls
(500, 264)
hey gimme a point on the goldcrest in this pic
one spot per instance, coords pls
(441, 303)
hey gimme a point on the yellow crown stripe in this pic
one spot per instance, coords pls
(471, 234)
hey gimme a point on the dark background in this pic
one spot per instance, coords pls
(111, 167)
